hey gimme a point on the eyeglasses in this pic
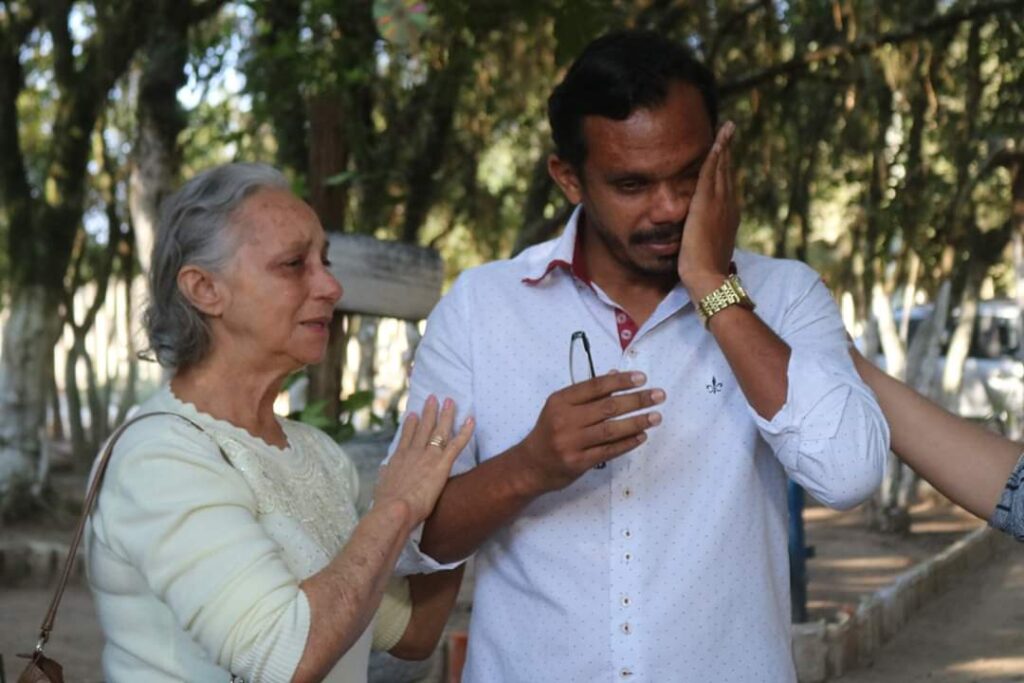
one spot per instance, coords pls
(576, 358)
(577, 367)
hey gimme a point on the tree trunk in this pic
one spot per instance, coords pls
(366, 374)
(79, 443)
(56, 418)
(328, 156)
(26, 372)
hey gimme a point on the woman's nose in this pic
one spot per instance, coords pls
(328, 286)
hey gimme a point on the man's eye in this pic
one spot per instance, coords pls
(631, 186)
(326, 261)
(295, 263)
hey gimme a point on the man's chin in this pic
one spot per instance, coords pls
(660, 267)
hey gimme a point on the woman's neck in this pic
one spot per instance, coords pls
(241, 396)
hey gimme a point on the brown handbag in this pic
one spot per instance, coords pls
(42, 669)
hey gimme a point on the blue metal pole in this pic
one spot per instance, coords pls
(798, 554)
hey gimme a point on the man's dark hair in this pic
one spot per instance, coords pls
(614, 76)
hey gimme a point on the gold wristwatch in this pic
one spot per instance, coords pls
(730, 293)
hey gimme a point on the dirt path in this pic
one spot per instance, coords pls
(76, 643)
(850, 563)
(973, 634)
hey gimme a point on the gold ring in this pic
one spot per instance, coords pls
(438, 441)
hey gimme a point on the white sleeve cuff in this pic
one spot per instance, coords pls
(816, 394)
(414, 561)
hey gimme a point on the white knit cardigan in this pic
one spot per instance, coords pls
(195, 562)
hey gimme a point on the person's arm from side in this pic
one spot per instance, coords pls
(578, 427)
(966, 462)
(820, 421)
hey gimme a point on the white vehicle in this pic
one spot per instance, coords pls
(993, 380)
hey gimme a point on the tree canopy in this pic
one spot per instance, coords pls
(880, 142)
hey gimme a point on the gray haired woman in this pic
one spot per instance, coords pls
(234, 549)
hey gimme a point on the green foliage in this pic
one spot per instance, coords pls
(856, 160)
(341, 429)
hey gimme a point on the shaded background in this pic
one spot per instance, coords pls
(880, 142)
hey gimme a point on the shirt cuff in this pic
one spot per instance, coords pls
(414, 561)
(817, 390)
(1008, 516)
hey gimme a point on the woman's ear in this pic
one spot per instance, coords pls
(202, 290)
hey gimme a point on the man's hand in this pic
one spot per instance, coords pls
(709, 234)
(578, 429)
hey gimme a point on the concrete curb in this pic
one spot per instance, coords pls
(826, 650)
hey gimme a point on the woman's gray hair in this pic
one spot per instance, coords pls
(193, 231)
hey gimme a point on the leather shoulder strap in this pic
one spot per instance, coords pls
(87, 507)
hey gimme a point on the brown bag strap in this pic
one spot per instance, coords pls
(90, 502)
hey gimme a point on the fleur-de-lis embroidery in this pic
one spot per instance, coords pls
(715, 386)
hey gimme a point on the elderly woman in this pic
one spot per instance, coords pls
(232, 550)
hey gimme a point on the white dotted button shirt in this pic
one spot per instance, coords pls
(669, 564)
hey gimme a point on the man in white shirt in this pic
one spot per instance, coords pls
(633, 527)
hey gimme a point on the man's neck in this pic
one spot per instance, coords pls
(637, 293)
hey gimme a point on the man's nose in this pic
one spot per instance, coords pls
(670, 203)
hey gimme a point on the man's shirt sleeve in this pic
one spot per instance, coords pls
(830, 435)
(442, 368)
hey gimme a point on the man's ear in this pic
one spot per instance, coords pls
(202, 290)
(563, 173)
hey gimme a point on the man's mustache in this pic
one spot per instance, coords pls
(660, 233)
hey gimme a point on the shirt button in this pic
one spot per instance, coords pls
(625, 673)
(631, 353)
(627, 557)
(626, 628)
(627, 533)
(627, 492)
(626, 601)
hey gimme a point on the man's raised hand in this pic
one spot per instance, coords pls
(709, 234)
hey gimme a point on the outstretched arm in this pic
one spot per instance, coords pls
(967, 463)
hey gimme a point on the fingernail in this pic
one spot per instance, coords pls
(613, 371)
(641, 437)
(447, 403)
(469, 421)
(657, 395)
(637, 378)
(654, 419)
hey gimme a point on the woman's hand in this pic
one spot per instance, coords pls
(419, 467)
